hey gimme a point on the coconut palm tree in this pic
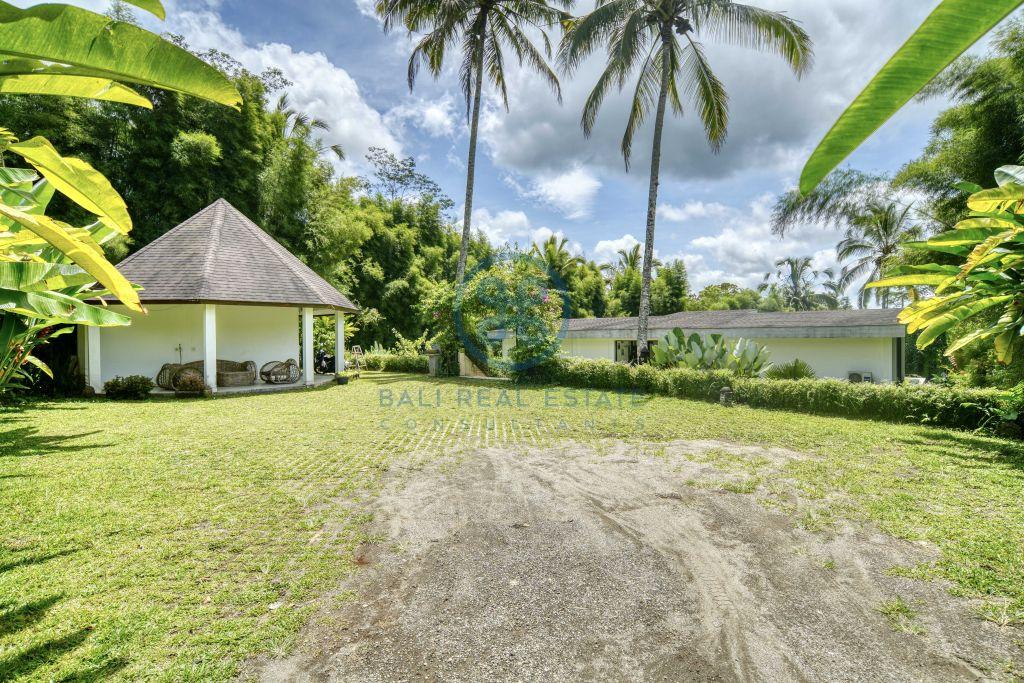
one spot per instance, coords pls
(794, 279)
(557, 258)
(874, 242)
(628, 260)
(482, 29)
(662, 39)
(291, 124)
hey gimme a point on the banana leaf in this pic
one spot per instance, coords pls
(66, 34)
(81, 251)
(72, 86)
(79, 181)
(54, 307)
(951, 28)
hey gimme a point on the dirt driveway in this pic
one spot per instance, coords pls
(631, 565)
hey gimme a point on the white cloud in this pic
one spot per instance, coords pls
(436, 117)
(502, 227)
(692, 210)
(571, 192)
(607, 251)
(744, 249)
(319, 88)
(775, 118)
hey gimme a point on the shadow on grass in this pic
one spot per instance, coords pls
(971, 449)
(21, 617)
(35, 559)
(27, 661)
(27, 441)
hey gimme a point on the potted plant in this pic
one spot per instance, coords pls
(190, 385)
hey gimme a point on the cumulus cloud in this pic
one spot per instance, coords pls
(774, 117)
(571, 192)
(435, 117)
(744, 248)
(319, 88)
(502, 227)
(607, 251)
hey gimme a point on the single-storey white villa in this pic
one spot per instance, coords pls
(849, 344)
(216, 287)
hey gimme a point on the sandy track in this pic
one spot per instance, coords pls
(567, 564)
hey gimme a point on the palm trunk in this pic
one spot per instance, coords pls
(471, 163)
(652, 196)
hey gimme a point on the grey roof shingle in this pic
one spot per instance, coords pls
(219, 255)
(744, 319)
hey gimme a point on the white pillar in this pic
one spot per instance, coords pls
(210, 345)
(307, 346)
(93, 374)
(339, 341)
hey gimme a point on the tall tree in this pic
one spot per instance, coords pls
(484, 29)
(874, 242)
(661, 38)
(670, 290)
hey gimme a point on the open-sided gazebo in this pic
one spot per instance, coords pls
(215, 287)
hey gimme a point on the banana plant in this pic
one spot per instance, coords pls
(51, 271)
(953, 27)
(714, 352)
(990, 244)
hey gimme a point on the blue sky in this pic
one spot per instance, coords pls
(537, 174)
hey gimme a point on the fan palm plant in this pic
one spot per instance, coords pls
(662, 40)
(483, 29)
(874, 242)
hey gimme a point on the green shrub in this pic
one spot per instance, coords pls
(928, 404)
(395, 362)
(131, 388)
(795, 369)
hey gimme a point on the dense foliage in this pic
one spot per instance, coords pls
(941, 406)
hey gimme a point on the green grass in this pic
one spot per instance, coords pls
(171, 540)
(901, 616)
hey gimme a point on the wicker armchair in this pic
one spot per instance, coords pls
(234, 374)
(229, 373)
(170, 373)
(280, 372)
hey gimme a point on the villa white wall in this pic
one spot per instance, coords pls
(594, 349)
(256, 333)
(151, 340)
(837, 357)
(829, 357)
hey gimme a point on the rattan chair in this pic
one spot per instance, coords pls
(280, 372)
(235, 374)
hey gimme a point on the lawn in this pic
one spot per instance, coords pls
(171, 540)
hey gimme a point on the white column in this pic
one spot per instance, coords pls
(339, 341)
(307, 346)
(210, 345)
(93, 374)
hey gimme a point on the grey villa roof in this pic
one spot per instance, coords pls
(847, 323)
(219, 255)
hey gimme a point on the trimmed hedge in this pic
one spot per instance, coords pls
(395, 362)
(934, 405)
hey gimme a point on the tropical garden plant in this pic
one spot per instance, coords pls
(662, 40)
(953, 27)
(874, 242)
(795, 281)
(795, 369)
(678, 350)
(49, 270)
(483, 29)
(989, 275)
